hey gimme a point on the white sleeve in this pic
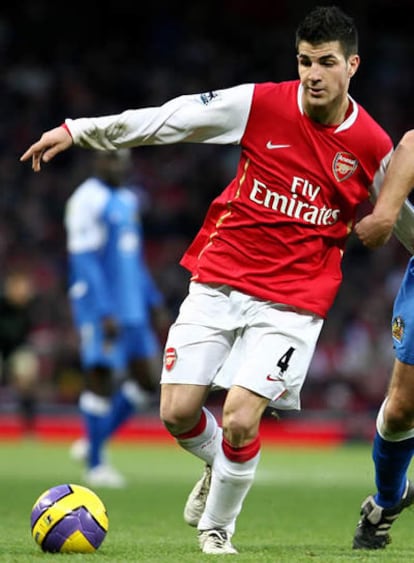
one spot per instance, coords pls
(379, 177)
(214, 117)
(404, 226)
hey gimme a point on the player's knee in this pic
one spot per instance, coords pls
(399, 416)
(238, 429)
(178, 418)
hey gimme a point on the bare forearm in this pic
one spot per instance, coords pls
(392, 210)
(398, 181)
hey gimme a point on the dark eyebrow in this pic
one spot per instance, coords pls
(322, 58)
(328, 56)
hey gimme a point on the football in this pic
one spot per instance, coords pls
(69, 519)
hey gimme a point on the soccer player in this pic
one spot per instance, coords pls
(113, 298)
(393, 444)
(266, 263)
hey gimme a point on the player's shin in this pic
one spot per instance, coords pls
(204, 439)
(232, 476)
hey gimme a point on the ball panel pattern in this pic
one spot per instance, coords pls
(69, 518)
(48, 499)
(79, 522)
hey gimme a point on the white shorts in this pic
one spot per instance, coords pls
(223, 337)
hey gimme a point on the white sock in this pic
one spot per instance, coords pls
(206, 444)
(230, 483)
(94, 404)
(386, 434)
(136, 395)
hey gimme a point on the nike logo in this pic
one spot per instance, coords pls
(271, 146)
(274, 378)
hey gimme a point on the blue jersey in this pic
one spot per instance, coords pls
(107, 272)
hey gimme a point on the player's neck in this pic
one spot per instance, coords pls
(330, 115)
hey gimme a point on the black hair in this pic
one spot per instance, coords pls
(329, 23)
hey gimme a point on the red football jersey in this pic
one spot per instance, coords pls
(278, 230)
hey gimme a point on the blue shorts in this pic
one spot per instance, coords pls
(133, 342)
(403, 318)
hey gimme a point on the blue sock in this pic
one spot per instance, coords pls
(122, 409)
(94, 410)
(391, 461)
(94, 428)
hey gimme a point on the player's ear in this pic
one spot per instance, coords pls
(353, 64)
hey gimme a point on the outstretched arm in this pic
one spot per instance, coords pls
(48, 146)
(216, 117)
(375, 229)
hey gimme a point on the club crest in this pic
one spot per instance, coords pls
(170, 358)
(344, 165)
(397, 330)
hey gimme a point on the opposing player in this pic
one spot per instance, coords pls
(114, 302)
(393, 444)
(266, 263)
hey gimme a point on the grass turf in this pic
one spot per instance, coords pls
(303, 505)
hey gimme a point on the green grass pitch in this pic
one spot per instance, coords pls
(303, 505)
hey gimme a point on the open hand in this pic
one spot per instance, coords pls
(47, 147)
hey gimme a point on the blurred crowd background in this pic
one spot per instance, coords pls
(81, 59)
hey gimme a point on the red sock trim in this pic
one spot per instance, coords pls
(240, 455)
(197, 430)
(66, 128)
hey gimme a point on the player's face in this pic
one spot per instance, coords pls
(325, 74)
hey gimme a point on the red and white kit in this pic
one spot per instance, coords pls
(279, 228)
(269, 251)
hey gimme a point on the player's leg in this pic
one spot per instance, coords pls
(197, 432)
(196, 348)
(98, 361)
(393, 444)
(188, 421)
(233, 469)
(273, 357)
(139, 390)
(394, 441)
(392, 451)
(94, 406)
